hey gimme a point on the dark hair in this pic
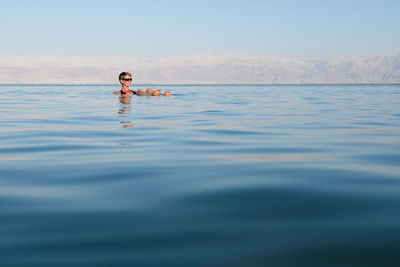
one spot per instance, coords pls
(123, 74)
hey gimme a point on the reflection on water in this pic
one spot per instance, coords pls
(125, 109)
(211, 176)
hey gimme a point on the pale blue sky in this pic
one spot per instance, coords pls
(281, 27)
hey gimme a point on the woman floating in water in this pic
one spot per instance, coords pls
(125, 78)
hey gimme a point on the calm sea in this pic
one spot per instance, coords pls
(262, 175)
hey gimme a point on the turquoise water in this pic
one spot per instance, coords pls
(262, 175)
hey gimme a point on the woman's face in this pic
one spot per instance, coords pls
(126, 80)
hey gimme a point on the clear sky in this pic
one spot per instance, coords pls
(170, 27)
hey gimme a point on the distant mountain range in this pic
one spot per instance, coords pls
(200, 68)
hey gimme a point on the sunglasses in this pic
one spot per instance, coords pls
(128, 79)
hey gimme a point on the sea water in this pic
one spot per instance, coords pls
(216, 175)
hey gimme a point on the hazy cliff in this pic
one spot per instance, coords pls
(213, 67)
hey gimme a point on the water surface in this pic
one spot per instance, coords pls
(260, 175)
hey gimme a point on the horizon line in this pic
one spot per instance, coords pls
(183, 84)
